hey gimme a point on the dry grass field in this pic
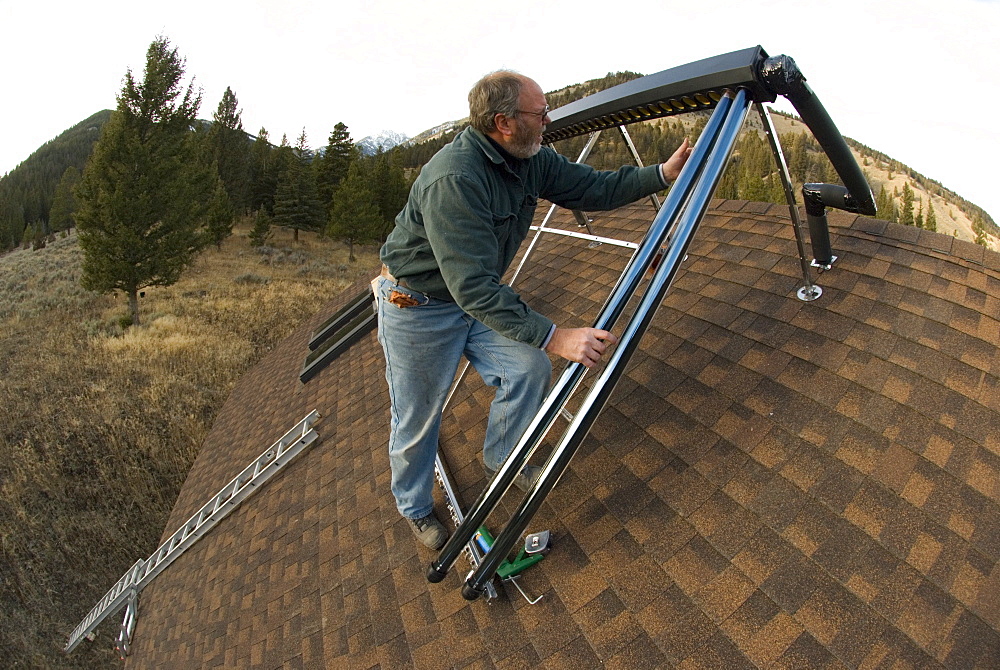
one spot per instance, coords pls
(99, 425)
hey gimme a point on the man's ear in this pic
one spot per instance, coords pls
(503, 125)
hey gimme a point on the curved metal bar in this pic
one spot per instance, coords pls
(598, 396)
(573, 373)
(783, 76)
(698, 86)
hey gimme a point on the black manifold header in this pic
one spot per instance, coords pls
(699, 86)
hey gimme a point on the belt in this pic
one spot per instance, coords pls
(402, 282)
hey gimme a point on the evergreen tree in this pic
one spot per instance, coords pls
(979, 229)
(230, 149)
(906, 218)
(64, 201)
(263, 174)
(918, 220)
(753, 165)
(830, 175)
(332, 167)
(219, 218)
(883, 205)
(144, 193)
(388, 185)
(354, 216)
(296, 203)
(260, 233)
(799, 162)
(931, 222)
(11, 223)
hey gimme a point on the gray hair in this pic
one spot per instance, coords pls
(497, 93)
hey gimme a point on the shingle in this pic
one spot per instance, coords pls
(774, 482)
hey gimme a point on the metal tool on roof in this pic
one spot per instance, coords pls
(730, 84)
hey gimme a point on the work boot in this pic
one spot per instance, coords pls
(429, 531)
(525, 479)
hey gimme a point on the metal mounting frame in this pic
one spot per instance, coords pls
(808, 291)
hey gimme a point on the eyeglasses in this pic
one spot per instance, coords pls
(542, 114)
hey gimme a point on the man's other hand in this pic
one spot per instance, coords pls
(580, 345)
(672, 168)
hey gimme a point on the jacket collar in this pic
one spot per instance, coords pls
(497, 155)
(483, 142)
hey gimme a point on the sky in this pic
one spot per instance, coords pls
(916, 79)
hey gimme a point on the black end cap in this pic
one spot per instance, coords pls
(469, 592)
(434, 575)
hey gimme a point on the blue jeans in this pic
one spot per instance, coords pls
(423, 346)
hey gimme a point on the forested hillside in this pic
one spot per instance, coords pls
(28, 191)
(36, 198)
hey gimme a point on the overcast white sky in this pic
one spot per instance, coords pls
(916, 79)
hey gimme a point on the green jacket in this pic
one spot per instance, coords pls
(469, 211)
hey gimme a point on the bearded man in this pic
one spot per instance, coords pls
(440, 295)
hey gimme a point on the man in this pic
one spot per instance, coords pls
(440, 294)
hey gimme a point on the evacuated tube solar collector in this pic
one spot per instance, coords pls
(730, 84)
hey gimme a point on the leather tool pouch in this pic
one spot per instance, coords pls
(401, 300)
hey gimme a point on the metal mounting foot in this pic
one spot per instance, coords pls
(809, 292)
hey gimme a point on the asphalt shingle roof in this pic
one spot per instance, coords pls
(774, 483)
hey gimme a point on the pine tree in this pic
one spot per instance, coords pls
(918, 220)
(979, 229)
(354, 216)
(260, 233)
(387, 183)
(906, 218)
(931, 222)
(332, 167)
(144, 194)
(219, 218)
(296, 203)
(799, 163)
(64, 202)
(11, 223)
(263, 174)
(883, 205)
(230, 149)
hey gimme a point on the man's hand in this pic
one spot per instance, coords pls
(580, 345)
(672, 168)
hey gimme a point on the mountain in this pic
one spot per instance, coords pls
(437, 131)
(385, 140)
(26, 192)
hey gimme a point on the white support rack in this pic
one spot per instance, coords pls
(126, 590)
(583, 236)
